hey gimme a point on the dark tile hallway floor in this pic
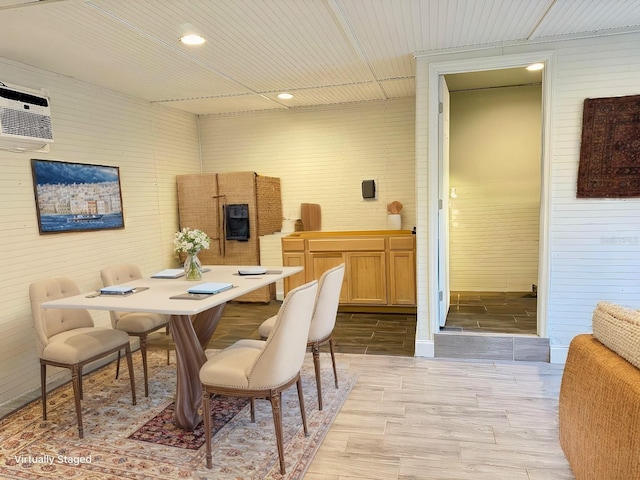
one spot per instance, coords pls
(492, 312)
(363, 333)
(385, 334)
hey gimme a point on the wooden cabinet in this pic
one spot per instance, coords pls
(320, 262)
(402, 271)
(367, 278)
(293, 256)
(379, 266)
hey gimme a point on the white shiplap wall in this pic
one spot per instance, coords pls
(594, 245)
(150, 144)
(595, 249)
(322, 155)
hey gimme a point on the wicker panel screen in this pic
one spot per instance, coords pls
(199, 208)
(201, 201)
(269, 205)
(239, 188)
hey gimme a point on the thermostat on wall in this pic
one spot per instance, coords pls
(368, 189)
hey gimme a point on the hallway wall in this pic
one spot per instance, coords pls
(494, 167)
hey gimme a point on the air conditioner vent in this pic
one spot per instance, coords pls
(23, 97)
(25, 124)
(25, 118)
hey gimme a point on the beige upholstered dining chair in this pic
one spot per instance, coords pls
(263, 369)
(322, 323)
(136, 324)
(67, 338)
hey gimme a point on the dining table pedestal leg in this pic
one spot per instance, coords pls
(191, 336)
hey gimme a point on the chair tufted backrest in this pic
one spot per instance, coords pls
(51, 321)
(283, 353)
(117, 275)
(326, 309)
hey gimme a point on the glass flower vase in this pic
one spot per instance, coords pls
(192, 267)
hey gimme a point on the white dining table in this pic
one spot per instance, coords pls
(192, 321)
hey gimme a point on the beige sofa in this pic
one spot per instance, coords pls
(599, 406)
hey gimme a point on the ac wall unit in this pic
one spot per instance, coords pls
(25, 119)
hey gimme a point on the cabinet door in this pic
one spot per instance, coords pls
(402, 281)
(320, 262)
(366, 275)
(295, 259)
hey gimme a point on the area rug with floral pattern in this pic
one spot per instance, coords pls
(125, 441)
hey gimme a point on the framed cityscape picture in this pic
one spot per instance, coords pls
(76, 197)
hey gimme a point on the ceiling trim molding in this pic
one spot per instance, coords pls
(522, 43)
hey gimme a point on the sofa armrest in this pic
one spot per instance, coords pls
(599, 412)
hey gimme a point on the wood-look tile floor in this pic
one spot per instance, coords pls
(411, 418)
(492, 312)
(444, 419)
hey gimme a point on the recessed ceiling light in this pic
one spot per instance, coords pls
(192, 39)
(535, 66)
(285, 96)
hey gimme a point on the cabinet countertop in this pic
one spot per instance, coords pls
(353, 233)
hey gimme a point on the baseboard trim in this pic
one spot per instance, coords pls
(559, 354)
(424, 348)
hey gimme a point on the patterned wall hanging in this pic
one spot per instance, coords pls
(610, 149)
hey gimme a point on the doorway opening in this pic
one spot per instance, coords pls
(439, 190)
(494, 179)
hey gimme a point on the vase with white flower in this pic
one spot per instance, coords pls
(191, 242)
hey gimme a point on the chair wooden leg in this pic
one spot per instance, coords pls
(76, 375)
(302, 411)
(206, 413)
(127, 351)
(253, 410)
(276, 405)
(81, 384)
(315, 350)
(333, 360)
(43, 388)
(118, 365)
(143, 352)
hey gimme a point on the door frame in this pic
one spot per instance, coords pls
(435, 170)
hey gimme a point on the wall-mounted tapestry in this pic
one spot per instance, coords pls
(610, 149)
(73, 197)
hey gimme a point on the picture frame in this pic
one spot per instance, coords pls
(76, 197)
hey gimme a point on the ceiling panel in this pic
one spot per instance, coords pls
(211, 106)
(398, 88)
(336, 94)
(571, 17)
(97, 50)
(261, 44)
(323, 51)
